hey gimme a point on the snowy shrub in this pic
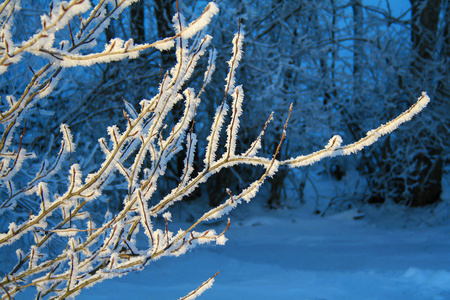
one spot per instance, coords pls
(53, 196)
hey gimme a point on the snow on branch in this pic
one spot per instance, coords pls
(232, 130)
(203, 287)
(199, 24)
(233, 63)
(334, 147)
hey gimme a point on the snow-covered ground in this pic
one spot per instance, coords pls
(391, 253)
(292, 254)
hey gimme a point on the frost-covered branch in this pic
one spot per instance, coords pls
(139, 153)
(334, 148)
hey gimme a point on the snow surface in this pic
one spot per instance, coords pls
(292, 254)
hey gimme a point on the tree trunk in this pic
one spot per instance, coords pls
(164, 11)
(137, 18)
(357, 46)
(424, 37)
(443, 86)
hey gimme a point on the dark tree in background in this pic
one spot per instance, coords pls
(137, 18)
(426, 68)
(164, 12)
